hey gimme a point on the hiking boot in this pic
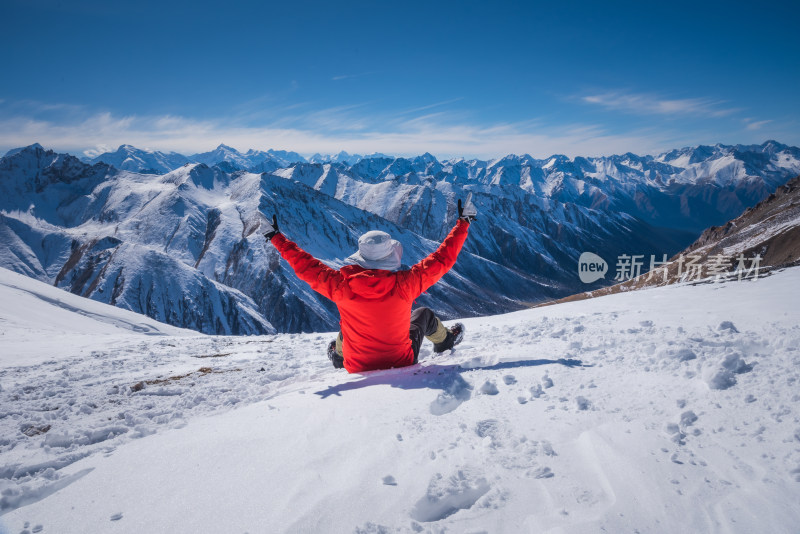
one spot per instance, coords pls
(333, 356)
(454, 336)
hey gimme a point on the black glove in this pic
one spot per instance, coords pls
(271, 228)
(467, 212)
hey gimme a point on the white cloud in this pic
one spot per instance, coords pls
(356, 129)
(97, 150)
(650, 104)
(326, 133)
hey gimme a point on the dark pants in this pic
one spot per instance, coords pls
(423, 323)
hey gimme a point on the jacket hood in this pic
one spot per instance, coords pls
(369, 283)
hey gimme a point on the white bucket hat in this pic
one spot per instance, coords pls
(377, 250)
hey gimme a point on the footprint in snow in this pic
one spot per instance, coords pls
(487, 428)
(547, 448)
(116, 517)
(541, 472)
(688, 418)
(389, 480)
(547, 382)
(678, 436)
(724, 376)
(796, 473)
(489, 388)
(680, 430)
(454, 394)
(509, 380)
(446, 496)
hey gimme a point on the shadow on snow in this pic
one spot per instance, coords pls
(447, 378)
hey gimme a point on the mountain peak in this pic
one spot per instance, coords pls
(771, 146)
(427, 157)
(32, 147)
(513, 159)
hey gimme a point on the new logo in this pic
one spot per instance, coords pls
(591, 267)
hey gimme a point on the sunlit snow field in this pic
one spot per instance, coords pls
(666, 410)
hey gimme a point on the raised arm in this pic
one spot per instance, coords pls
(428, 271)
(320, 277)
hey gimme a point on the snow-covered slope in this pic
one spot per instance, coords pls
(37, 319)
(671, 409)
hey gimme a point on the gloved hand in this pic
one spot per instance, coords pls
(271, 228)
(468, 212)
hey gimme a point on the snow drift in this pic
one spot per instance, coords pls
(670, 409)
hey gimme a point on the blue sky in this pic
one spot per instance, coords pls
(473, 79)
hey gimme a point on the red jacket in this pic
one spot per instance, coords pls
(375, 305)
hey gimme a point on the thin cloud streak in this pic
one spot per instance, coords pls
(757, 124)
(348, 76)
(430, 106)
(649, 104)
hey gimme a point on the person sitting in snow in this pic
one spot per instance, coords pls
(374, 296)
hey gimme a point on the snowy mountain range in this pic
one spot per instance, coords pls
(180, 246)
(343, 158)
(689, 188)
(129, 158)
